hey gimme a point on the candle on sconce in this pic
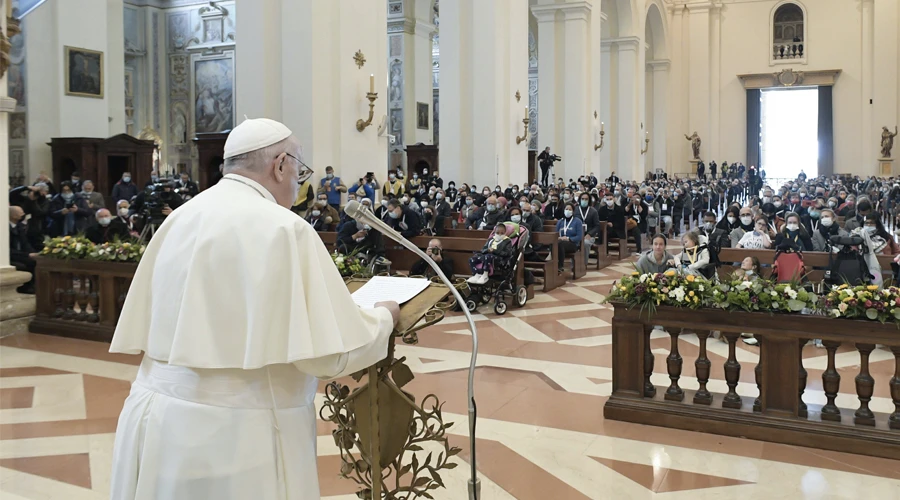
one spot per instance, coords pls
(526, 110)
(372, 84)
(601, 126)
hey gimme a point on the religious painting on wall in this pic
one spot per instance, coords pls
(422, 115)
(17, 126)
(213, 93)
(84, 72)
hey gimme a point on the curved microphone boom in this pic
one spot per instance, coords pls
(357, 211)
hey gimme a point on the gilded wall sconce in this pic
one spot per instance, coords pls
(525, 121)
(371, 96)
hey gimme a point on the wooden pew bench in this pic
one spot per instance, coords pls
(731, 261)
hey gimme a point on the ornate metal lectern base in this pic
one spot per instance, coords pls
(380, 423)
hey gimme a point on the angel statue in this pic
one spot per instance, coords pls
(695, 144)
(887, 141)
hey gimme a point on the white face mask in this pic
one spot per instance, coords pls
(104, 221)
(776, 203)
(871, 229)
(384, 203)
(731, 220)
(746, 220)
(123, 212)
(423, 203)
(516, 218)
(793, 227)
(827, 221)
(567, 213)
(439, 196)
(610, 203)
(316, 213)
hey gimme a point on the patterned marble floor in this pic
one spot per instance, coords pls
(543, 377)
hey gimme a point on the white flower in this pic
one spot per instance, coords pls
(836, 312)
(644, 278)
(792, 294)
(849, 292)
(700, 288)
(774, 293)
(339, 260)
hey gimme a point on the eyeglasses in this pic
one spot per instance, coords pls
(304, 168)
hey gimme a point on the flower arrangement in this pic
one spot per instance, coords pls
(67, 247)
(864, 302)
(348, 265)
(118, 252)
(79, 247)
(762, 295)
(650, 290)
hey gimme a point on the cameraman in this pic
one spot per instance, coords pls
(186, 187)
(436, 251)
(160, 195)
(546, 160)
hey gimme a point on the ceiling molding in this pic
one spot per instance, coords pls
(790, 78)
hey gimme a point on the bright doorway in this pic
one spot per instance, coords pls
(789, 126)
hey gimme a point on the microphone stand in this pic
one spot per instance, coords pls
(359, 212)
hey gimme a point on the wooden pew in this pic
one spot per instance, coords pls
(544, 270)
(731, 261)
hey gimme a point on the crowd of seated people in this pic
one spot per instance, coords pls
(74, 207)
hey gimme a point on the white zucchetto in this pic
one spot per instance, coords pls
(253, 134)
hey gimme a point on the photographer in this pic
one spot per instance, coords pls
(436, 251)
(186, 187)
(68, 211)
(546, 160)
(357, 237)
(156, 202)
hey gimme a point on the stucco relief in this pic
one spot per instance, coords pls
(533, 112)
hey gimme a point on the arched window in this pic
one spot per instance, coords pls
(788, 33)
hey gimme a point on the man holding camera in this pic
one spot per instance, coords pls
(436, 251)
(332, 187)
(546, 160)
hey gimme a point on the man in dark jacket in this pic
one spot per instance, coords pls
(436, 251)
(486, 217)
(614, 217)
(21, 254)
(591, 220)
(69, 212)
(355, 235)
(403, 220)
(124, 189)
(107, 228)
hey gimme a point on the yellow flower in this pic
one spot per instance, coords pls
(847, 299)
(691, 294)
(872, 287)
(690, 278)
(622, 288)
(67, 238)
(635, 273)
(842, 286)
(696, 299)
(670, 273)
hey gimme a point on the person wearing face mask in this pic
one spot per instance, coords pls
(326, 212)
(678, 204)
(554, 209)
(637, 211)
(694, 258)
(467, 209)
(498, 246)
(442, 208)
(107, 229)
(882, 242)
(848, 207)
(394, 187)
(713, 237)
(571, 232)
(451, 192)
(793, 235)
(666, 206)
(796, 206)
(856, 220)
(529, 218)
(355, 236)
(94, 199)
(652, 213)
(813, 213)
(591, 220)
(758, 238)
(317, 217)
(75, 181)
(124, 215)
(69, 212)
(403, 220)
(124, 189)
(657, 259)
(332, 187)
(414, 182)
(21, 253)
(487, 217)
(731, 221)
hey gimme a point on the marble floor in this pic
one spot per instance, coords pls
(543, 377)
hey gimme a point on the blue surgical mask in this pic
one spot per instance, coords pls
(126, 179)
(393, 215)
(516, 218)
(584, 203)
(567, 213)
(469, 202)
(68, 196)
(491, 207)
(329, 176)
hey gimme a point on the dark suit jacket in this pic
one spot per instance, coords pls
(99, 234)
(19, 248)
(591, 220)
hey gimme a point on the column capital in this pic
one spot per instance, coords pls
(424, 29)
(571, 11)
(703, 7)
(621, 43)
(401, 25)
(659, 64)
(7, 104)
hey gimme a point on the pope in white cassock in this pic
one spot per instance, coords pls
(238, 310)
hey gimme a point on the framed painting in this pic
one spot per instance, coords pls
(84, 72)
(212, 93)
(422, 115)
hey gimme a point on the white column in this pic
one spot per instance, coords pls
(678, 150)
(598, 56)
(627, 128)
(488, 62)
(576, 124)
(549, 77)
(659, 134)
(870, 148)
(7, 105)
(455, 153)
(322, 106)
(419, 80)
(715, 17)
(608, 160)
(698, 78)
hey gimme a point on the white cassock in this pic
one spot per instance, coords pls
(238, 309)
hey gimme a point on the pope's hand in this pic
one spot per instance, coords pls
(391, 306)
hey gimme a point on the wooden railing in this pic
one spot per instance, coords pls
(80, 298)
(779, 413)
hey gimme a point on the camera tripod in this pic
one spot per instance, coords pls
(147, 233)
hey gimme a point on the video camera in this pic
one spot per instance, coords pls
(555, 158)
(155, 199)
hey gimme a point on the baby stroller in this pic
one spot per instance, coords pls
(502, 281)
